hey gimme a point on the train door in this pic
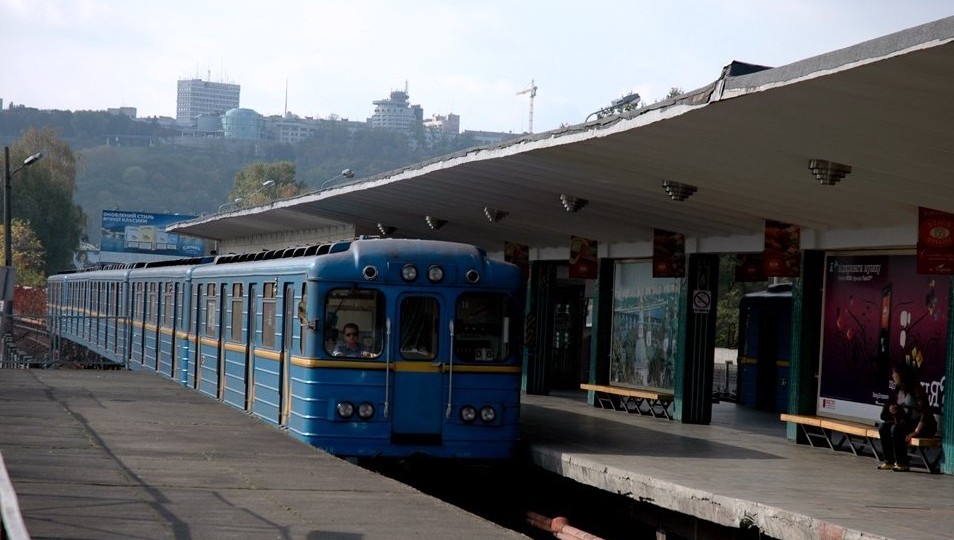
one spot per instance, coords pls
(417, 414)
(198, 328)
(220, 343)
(250, 342)
(173, 308)
(567, 310)
(289, 319)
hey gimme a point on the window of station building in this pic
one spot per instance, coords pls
(363, 308)
(238, 305)
(210, 310)
(482, 328)
(420, 319)
(268, 315)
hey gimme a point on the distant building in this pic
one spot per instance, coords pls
(122, 111)
(397, 113)
(243, 124)
(482, 138)
(196, 97)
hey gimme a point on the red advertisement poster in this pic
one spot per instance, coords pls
(669, 254)
(749, 267)
(783, 256)
(935, 242)
(583, 262)
(878, 311)
(518, 254)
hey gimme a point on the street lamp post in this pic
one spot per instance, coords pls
(235, 203)
(8, 233)
(347, 173)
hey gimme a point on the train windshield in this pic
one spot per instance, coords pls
(354, 323)
(482, 328)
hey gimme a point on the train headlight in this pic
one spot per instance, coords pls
(468, 413)
(365, 410)
(409, 272)
(370, 272)
(345, 409)
(435, 274)
(488, 414)
(472, 276)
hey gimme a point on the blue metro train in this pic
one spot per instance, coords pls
(363, 348)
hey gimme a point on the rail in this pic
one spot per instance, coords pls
(12, 526)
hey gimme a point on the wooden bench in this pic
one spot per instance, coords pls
(642, 401)
(860, 438)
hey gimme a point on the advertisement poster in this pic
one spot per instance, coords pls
(583, 262)
(878, 311)
(645, 327)
(669, 254)
(750, 267)
(935, 242)
(143, 233)
(783, 255)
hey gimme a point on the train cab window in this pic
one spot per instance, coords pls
(346, 309)
(238, 305)
(268, 315)
(481, 328)
(420, 317)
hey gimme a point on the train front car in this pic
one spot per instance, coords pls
(413, 349)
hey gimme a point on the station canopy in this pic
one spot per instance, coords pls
(745, 143)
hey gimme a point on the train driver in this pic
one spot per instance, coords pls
(351, 347)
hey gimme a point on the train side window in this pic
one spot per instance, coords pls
(167, 303)
(210, 311)
(420, 317)
(362, 307)
(268, 315)
(140, 303)
(481, 328)
(238, 304)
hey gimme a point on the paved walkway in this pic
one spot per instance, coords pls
(122, 454)
(738, 470)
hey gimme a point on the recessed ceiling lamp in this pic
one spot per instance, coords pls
(678, 191)
(494, 216)
(571, 203)
(827, 172)
(435, 223)
(386, 230)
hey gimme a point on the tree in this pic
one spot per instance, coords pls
(42, 195)
(28, 254)
(252, 183)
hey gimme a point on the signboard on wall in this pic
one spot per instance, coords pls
(143, 235)
(935, 242)
(877, 312)
(583, 260)
(645, 331)
(669, 254)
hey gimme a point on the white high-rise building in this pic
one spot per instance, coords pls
(397, 113)
(196, 97)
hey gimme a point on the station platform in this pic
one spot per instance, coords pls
(739, 471)
(125, 454)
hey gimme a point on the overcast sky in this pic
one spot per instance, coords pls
(470, 58)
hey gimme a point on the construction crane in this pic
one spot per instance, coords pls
(533, 93)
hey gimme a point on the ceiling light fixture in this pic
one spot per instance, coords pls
(571, 203)
(678, 191)
(494, 216)
(386, 230)
(435, 223)
(827, 172)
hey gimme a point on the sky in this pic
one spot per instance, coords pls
(317, 58)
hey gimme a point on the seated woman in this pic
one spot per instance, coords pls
(906, 414)
(351, 347)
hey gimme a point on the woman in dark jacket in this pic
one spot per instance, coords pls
(905, 415)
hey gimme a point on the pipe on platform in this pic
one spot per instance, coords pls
(559, 526)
